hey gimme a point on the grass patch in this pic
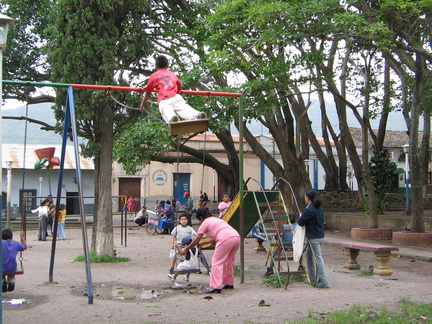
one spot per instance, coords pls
(237, 271)
(102, 258)
(366, 271)
(274, 281)
(407, 312)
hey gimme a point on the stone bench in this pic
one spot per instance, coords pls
(382, 254)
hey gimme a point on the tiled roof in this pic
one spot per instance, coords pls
(15, 153)
(392, 138)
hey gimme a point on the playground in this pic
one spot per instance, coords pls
(140, 292)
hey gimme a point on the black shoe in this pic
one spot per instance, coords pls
(171, 270)
(11, 287)
(202, 115)
(217, 291)
(174, 119)
(269, 272)
(228, 287)
(4, 286)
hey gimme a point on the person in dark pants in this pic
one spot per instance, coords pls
(313, 218)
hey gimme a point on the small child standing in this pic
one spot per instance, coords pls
(224, 204)
(168, 86)
(178, 234)
(61, 222)
(9, 253)
(190, 259)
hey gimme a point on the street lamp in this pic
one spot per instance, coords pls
(5, 23)
(40, 187)
(406, 151)
(9, 193)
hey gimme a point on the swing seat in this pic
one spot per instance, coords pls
(188, 126)
(186, 271)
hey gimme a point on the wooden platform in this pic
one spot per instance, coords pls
(188, 126)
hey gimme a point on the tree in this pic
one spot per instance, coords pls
(93, 42)
(401, 30)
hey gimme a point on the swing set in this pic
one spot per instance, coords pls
(177, 128)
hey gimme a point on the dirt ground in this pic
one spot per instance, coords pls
(65, 302)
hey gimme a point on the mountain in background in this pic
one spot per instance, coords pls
(13, 130)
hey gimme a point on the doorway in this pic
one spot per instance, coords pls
(180, 186)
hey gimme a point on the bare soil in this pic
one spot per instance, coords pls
(66, 301)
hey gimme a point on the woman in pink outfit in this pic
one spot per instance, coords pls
(227, 243)
(131, 203)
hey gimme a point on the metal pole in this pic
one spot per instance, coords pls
(241, 191)
(407, 200)
(70, 108)
(9, 193)
(1, 168)
(118, 88)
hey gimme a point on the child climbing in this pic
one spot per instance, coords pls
(167, 86)
(178, 234)
(224, 204)
(9, 252)
(190, 259)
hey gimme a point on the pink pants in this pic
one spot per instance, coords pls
(222, 270)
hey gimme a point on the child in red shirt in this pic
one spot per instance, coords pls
(167, 86)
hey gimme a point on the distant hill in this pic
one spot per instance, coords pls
(13, 130)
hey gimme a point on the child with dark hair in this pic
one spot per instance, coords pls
(178, 234)
(313, 218)
(168, 86)
(224, 205)
(9, 252)
(42, 212)
(190, 259)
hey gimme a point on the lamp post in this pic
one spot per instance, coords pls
(9, 193)
(406, 151)
(40, 186)
(5, 23)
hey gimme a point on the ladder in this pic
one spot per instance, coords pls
(273, 215)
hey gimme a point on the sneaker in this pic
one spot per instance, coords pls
(11, 287)
(4, 286)
(171, 270)
(269, 272)
(186, 278)
(174, 119)
(171, 277)
(202, 115)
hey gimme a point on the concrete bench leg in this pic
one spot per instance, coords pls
(352, 264)
(383, 259)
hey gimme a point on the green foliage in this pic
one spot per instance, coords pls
(102, 258)
(137, 144)
(383, 174)
(274, 281)
(366, 270)
(408, 312)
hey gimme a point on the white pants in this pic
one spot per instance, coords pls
(176, 105)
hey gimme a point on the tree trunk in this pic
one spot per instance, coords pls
(417, 161)
(103, 237)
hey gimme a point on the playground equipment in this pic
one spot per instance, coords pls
(268, 209)
(70, 121)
